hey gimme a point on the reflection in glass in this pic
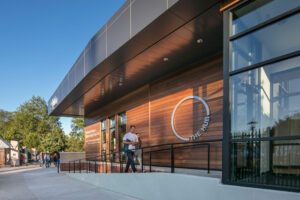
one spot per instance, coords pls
(265, 101)
(256, 12)
(272, 41)
(112, 138)
(274, 163)
(122, 131)
(103, 139)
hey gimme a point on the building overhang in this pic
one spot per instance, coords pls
(111, 67)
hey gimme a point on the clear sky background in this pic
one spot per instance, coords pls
(39, 42)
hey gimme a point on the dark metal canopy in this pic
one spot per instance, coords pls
(119, 59)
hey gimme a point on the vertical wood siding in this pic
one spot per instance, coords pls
(150, 109)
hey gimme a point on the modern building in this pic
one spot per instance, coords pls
(220, 71)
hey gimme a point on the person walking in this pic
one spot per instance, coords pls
(58, 161)
(126, 150)
(138, 151)
(50, 159)
(55, 159)
(131, 139)
(47, 159)
(41, 159)
(7, 159)
(21, 160)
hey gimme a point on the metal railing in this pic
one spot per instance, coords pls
(90, 163)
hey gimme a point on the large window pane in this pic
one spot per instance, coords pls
(274, 163)
(265, 101)
(112, 138)
(256, 12)
(267, 43)
(264, 131)
(103, 139)
(122, 131)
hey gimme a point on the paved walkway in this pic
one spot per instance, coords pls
(33, 183)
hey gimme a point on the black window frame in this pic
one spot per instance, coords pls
(227, 73)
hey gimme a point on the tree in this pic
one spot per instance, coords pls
(4, 117)
(32, 126)
(75, 145)
(5, 121)
(76, 139)
(77, 128)
(54, 141)
(32, 140)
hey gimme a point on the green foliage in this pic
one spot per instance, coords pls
(75, 145)
(4, 117)
(54, 141)
(32, 140)
(77, 127)
(32, 126)
(76, 139)
(5, 128)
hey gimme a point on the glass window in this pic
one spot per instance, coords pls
(103, 138)
(266, 162)
(265, 101)
(272, 41)
(112, 137)
(122, 129)
(256, 12)
(264, 131)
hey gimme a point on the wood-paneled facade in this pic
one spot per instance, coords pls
(92, 140)
(150, 109)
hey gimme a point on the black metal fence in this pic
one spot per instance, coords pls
(118, 159)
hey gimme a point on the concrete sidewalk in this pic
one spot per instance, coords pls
(172, 186)
(34, 183)
(18, 169)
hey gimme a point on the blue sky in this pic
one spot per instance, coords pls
(39, 42)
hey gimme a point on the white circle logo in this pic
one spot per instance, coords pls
(54, 102)
(204, 125)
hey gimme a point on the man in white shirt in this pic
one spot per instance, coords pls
(131, 139)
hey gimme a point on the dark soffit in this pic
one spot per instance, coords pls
(172, 35)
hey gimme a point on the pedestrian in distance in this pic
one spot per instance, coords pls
(50, 159)
(131, 139)
(55, 159)
(7, 158)
(58, 161)
(41, 159)
(45, 155)
(21, 160)
(47, 159)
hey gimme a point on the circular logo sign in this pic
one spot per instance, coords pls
(205, 121)
(54, 102)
